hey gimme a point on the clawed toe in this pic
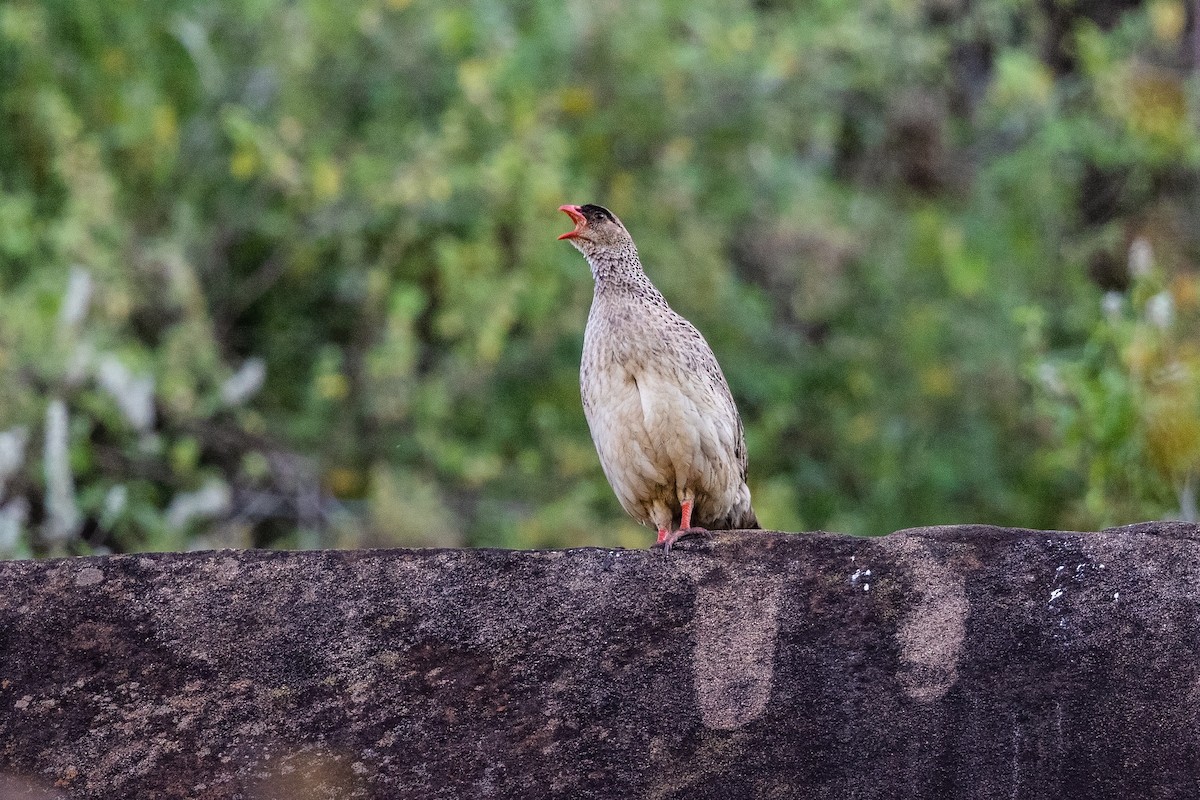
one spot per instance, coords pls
(671, 538)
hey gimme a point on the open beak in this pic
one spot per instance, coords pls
(577, 217)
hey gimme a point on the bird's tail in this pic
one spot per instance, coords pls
(741, 516)
(747, 520)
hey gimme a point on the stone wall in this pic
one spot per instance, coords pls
(953, 662)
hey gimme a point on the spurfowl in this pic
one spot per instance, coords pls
(665, 426)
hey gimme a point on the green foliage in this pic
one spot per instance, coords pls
(1126, 403)
(883, 216)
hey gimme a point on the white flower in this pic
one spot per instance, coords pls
(1051, 381)
(62, 514)
(1160, 310)
(212, 500)
(1112, 305)
(13, 516)
(12, 450)
(115, 500)
(1141, 258)
(76, 299)
(244, 383)
(134, 395)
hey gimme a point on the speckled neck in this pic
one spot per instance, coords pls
(617, 269)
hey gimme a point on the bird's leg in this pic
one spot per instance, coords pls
(667, 539)
(660, 517)
(685, 519)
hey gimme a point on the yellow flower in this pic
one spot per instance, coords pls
(244, 163)
(333, 386)
(345, 482)
(326, 180)
(937, 381)
(1167, 18)
(165, 125)
(578, 100)
(474, 78)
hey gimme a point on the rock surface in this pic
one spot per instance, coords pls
(953, 662)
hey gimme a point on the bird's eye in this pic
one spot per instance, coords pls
(598, 213)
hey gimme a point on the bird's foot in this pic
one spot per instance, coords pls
(669, 539)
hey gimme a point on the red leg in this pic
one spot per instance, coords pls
(663, 533)
(685, 527)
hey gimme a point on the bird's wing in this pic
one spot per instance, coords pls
(692, 386)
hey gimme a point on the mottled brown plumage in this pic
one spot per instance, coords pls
(661, 415)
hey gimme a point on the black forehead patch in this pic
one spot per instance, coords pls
(596, 213)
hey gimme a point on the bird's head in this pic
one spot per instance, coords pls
(596, 230)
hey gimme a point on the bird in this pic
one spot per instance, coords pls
(665, 426)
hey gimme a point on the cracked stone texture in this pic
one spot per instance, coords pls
(950, 662)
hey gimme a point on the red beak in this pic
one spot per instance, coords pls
(577, 217)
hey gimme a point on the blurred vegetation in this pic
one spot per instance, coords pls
(284, 273)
